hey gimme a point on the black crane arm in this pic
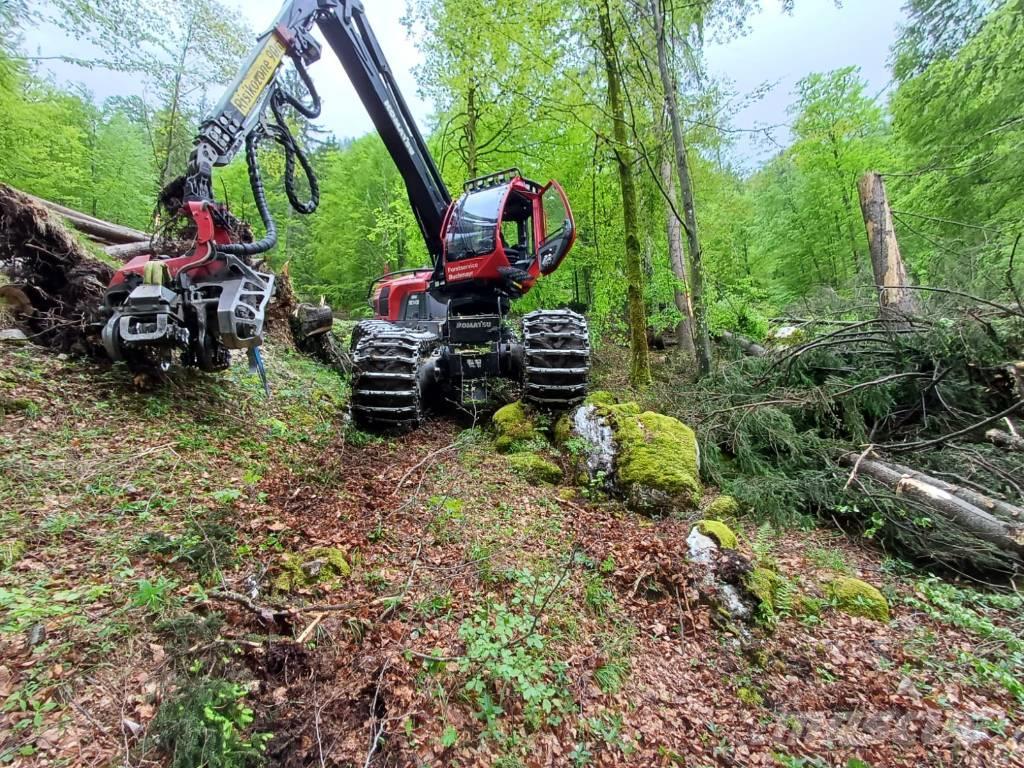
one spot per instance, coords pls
(241, 113)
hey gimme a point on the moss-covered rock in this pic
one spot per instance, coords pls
(535, 468)
(857, 598)
(514, 426)
(657, 461)
(718, 531)
(722, 508)
(562, 431)
(600, 397)
(319, 565)
(764, 584)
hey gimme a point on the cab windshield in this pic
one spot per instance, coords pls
(474, 224)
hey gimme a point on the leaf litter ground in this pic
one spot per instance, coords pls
(484, 620)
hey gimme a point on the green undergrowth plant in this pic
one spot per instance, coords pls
(995, 618)
(207, 723)
(509, 660)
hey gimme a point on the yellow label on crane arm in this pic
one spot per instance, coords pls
(259, 75)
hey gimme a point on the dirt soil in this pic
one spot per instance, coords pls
(151, 542)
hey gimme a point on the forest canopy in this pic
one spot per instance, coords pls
(946, 136)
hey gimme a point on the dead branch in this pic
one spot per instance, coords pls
(922, 444)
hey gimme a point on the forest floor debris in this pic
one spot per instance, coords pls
(485, 620)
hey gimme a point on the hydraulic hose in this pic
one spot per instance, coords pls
(259, 193)
(280, 132)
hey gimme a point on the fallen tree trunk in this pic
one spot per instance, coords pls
(1005, 440)
(962, 514)
(1003, 509)
(96, 229)
(750, 347)
(128, 250)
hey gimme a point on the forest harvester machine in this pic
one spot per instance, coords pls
(440, 333)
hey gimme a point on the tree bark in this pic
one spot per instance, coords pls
(128, 251)
(701, 335)
(955, 510)
(896, 302)
(640, 365)
(1003, 509)
(684, 329)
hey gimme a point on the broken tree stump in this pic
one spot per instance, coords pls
(895, 300)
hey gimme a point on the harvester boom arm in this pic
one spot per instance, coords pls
(344, 25)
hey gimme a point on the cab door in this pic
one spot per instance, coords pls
(558, 230)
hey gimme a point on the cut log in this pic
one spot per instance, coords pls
(1005, 440)
(128, 251)
(750, 347)
(1002, 509)
(969, 518)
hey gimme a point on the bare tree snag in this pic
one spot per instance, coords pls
(969, 518)
(896, 302)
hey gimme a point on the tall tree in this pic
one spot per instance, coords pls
(640, 366)
(702, 337)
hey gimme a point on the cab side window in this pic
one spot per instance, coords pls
(414, 306)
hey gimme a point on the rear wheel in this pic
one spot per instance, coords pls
(557, 358)
(389, 374)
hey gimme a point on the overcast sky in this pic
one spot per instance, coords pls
(780, 48)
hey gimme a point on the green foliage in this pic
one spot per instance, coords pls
(155, 595)
(206, 723)
(508, 657)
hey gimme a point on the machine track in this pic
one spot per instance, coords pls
(557, 358)
(389, 374)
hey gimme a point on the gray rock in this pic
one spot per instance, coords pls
(13, 336)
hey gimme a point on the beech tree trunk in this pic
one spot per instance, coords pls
(896, 302)
(640, 364)
(955, 510)
(701, 335)
(684, 330)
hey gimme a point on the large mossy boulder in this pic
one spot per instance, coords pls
(657, 461)
(858, 598)
(515, 427)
